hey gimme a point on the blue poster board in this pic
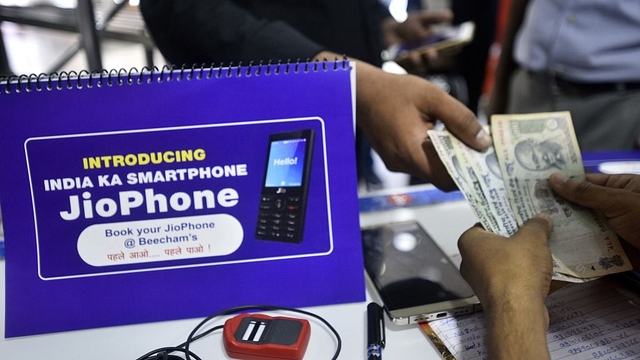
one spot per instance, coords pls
(140, 197)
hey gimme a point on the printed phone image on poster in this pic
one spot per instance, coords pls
(285, 186)
(179, 197)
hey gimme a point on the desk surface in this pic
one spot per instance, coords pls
(444, 221)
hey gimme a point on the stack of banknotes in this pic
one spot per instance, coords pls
(508, 184)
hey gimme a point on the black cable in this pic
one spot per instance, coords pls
(163, 353)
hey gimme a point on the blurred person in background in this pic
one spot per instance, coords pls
(581, 56)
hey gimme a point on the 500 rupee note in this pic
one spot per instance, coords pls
(474, 182)
(529, 149)
(443, 143)
(483, 171)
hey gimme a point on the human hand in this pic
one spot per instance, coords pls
(396, 111)
(416, 27)
(617, 197)
(428, 60)
(502, 269)
(511, 277)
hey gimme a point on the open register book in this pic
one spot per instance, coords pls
(594, 320)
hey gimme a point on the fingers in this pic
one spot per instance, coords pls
(460, 121)
(433, 17)
(472, 239)
(618, 199)
(438, 174)
(583, 193)
(472, 233)
(417, 26)
(537, 228)
(618, 181)
(493, 264)
(597, 179)
(476, 239)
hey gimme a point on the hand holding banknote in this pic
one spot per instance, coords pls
(493, 264)
(617, 197)
(511, 277)
(529, 148)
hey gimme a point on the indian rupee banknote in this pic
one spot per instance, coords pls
(529, 148)
(443, 143)
(507, 184)
(448, 148)
(483, 171)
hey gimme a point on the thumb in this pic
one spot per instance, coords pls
(457, 118)
(537, 228)
(582, 192)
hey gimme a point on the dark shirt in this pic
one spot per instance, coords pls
(206, 31)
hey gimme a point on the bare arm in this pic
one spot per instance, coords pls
(511, 277)
(517, 328)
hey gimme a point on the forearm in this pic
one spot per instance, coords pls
(517, 328)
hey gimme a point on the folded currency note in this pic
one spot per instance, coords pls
(507, 185)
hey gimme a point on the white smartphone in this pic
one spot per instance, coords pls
(412, 276)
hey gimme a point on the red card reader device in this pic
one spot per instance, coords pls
(262, 337)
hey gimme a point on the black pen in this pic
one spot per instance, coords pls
(375, 331)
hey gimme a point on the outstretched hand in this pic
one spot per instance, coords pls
(396, 111)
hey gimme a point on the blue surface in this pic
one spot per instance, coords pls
(407, 197)
(421, 195)
(592, 160)
(229, 111)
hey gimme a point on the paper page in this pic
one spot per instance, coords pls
(595, 320)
